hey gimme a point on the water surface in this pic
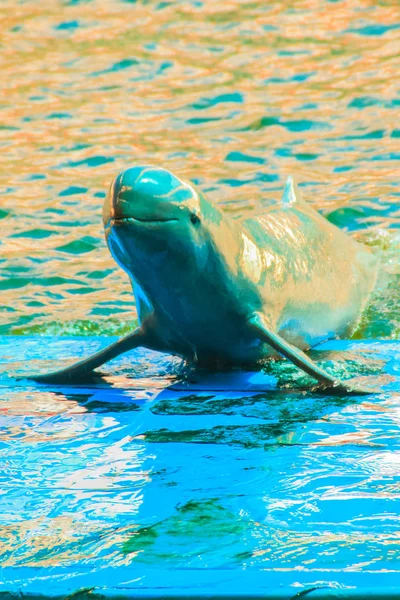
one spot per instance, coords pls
(133, 472)
(234, 96)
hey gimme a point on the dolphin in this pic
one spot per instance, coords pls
(221, 292)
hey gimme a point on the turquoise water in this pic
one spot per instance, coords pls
(235, 96)
(225, 473)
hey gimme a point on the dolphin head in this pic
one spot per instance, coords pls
(150, 196)
(161, 231)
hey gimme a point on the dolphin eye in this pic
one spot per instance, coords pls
(194, 219)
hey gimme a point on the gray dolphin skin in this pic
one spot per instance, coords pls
(222, 292)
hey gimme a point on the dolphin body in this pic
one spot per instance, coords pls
(223, 292)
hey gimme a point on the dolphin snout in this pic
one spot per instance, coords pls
(123, 201)
(112, 207)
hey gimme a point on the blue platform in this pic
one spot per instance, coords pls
(158, 484)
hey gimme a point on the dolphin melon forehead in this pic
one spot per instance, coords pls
(142, 183)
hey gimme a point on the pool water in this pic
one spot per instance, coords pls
(235, 96)
(147, 470)
(243, 474)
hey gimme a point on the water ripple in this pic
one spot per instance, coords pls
(89, 91)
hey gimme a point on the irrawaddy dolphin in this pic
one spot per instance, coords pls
(222, 292)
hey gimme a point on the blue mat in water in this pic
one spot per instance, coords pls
(142, 484)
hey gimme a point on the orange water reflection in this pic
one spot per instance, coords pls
(298, 87)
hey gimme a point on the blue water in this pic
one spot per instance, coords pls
(146, 470)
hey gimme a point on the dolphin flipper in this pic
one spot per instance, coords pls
(84, 367)
(301, 360)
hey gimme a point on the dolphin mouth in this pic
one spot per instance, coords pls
(116, 221)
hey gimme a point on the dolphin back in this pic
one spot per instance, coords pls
(315, 278)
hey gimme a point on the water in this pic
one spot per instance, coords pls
(234, 96)
(140, 472)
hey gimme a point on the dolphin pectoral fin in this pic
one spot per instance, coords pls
(84, 367)
(301, 360)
